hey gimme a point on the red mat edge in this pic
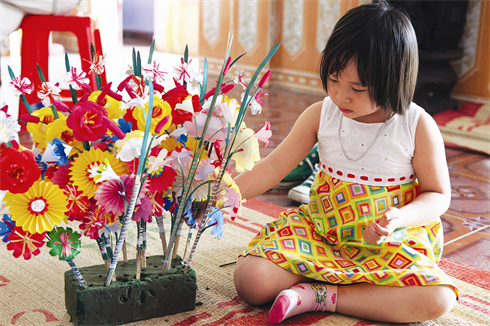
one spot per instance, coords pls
(264, 207)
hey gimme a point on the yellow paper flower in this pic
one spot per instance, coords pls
(85, 169)
(249, 150)
(39, 209)
(38, 129)
(59, 129)
(170, 144)
(112, 105)
(161, 109)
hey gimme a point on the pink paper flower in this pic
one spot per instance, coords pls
(234, 201)
(214, 129)
(144, 210)
(21, 86)
(113, 195)
(183, 71)
(154, 71)
(76, 80)
(264, 133)
(239, 80)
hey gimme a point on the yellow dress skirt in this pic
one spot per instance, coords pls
(324, 239)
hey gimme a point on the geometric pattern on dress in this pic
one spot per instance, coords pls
(324, 240)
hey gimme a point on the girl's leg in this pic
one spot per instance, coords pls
(258, 280)
(395, 304)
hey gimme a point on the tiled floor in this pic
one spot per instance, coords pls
(466, 223)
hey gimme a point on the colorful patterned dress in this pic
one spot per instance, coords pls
(324, 239)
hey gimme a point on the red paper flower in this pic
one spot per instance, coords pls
(128, 117)
(176, 96)
(24, 243)
(158, 202)
(90, 223)
(78, 203)
(18, 170)
(60, 176)
(158, 180)
(86, 121)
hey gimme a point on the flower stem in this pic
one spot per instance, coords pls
(124, 230)
(75, 270)
(180, 211)
(161, 227)
(206, 213)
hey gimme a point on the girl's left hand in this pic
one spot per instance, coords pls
(375, 233)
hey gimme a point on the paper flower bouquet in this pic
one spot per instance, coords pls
(124, 155)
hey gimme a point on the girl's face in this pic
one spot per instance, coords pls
(352, 98)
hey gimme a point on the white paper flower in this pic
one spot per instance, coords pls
(156, 162)
(229, 110)
(9, 127)
(153, 70)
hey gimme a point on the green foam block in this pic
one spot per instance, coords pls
(128, 299)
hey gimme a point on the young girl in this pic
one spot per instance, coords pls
(368, 243)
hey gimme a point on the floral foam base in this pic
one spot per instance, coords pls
(128, 299)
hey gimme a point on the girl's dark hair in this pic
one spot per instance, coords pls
(381, 40)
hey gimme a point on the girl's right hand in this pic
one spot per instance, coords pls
(375, 233)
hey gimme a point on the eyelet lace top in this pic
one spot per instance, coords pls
(387, 163)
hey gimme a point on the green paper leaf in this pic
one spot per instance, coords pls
(152, 48)
(238, 58)
(40, 73)
(72, 91)
(204, 80)
(134, 62)
(138, 61)
(142, 159)
(186, 54)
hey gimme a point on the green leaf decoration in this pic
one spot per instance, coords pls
(64, 243)
(72, 91)
(204, 80)
(40, 73)
(152, 49)
(142, 159)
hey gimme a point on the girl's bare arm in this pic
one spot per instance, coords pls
(429, 163)
(273, 168)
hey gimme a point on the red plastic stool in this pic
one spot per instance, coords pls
(35, 48)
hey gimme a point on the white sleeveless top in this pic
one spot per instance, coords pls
(387, 163)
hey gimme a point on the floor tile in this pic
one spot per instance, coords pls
(475, 253)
